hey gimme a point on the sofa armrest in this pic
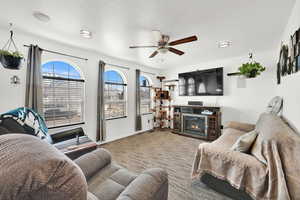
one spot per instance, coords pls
(94, 161)
(240, 126)
(152, 184)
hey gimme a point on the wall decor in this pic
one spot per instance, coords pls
(291, 49)
(297, 49)
(295, 38)
(298, 35)
(294, 66)
(290, 68)
(278, 74)
(297, 63)
(283, 59)
(250, 69)
(10, 59)
(15, 80)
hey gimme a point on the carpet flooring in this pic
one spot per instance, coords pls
(168, 151)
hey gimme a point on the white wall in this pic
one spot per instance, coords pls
(290, 87)
(14, 96)
(240, 104)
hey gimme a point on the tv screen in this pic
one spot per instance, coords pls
(202, 83)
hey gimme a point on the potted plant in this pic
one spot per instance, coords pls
(251, 69)
(10, 60)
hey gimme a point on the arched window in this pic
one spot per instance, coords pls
(63, 94)
(115, 95)
(145, 89)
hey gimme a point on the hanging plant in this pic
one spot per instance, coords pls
(10, 59)
(251, 69)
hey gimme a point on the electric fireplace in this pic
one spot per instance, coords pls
(194, 124)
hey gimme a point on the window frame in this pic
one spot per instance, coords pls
(82, 79)
(150, 94)
(125, 85)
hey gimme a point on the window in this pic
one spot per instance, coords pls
(114, 95)
(63, 94)
(145, 95)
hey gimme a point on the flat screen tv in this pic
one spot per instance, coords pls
(202, 83)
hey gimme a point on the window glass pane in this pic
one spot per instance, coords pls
(145, 91)
(63, 99)
(144, 81)
(60, 69)
(114, 95)
(113, 77)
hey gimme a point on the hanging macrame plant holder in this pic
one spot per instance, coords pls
(9, 58)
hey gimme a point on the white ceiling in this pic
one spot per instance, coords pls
(255, 25)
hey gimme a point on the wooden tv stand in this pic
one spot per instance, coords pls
(190, 120)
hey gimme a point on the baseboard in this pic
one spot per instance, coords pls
(123, 137)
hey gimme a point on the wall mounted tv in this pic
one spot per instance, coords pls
(202, 83)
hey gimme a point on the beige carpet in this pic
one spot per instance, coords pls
(165, 150)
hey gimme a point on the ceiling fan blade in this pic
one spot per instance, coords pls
(184, 40)
(154, 54)
(176, 51)
(135, 47)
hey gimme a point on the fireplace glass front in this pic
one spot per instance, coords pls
(194, 124)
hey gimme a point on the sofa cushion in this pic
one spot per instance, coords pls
(110, 182)
(244, 142)
(151, 184)
(240, 126)
(123, 177)
(109, 190)
(93, 162)
(91, 196)
(33, 169)
(228, 138)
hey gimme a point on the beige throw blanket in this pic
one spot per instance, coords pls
(277, 145)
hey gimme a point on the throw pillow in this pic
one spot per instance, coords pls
(244, 142)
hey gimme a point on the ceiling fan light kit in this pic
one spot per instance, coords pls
(165, 46)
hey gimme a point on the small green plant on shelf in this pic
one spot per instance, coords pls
(251, 69)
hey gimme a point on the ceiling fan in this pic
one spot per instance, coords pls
(164, 45)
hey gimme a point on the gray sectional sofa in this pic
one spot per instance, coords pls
(109, 181)
(32, 169)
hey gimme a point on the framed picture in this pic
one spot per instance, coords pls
(283, 59)
(295, 38)
(278, 74)
(297, 60)
(291, 48)
(297, 50)
(298, 35)
(294, 66)
(290, 66)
